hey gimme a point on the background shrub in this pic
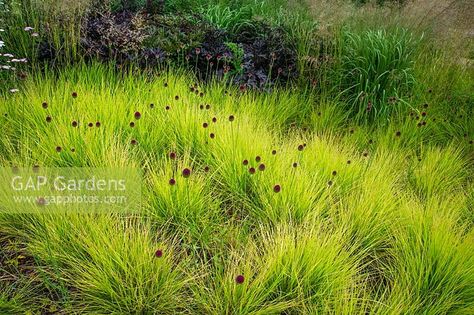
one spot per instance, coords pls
(254, 55)
(117, 37)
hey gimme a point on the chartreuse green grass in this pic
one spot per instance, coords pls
(288, 207)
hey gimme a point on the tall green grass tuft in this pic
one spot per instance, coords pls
(375, 71)
(55, 33)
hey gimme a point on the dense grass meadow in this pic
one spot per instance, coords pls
(296, 157)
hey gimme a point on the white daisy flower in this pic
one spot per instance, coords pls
(28, 28)
(14, 90)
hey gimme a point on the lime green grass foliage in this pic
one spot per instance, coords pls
(294, 201)
(365, 219)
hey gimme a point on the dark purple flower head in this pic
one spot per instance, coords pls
(300, 147)
(133, 142)
(258, 158)
(74, 123)
(40, 201)
(371, 141)
(73, 150)
(274, 152)
(132, 124)
(48, 119)
(22, 75)
(167, 107)
(398, 134)
(74, 94)
(369, 106)
(152, 105)
(59, 149)
(166, 84)
(261, 167)
(277, 188)
(351, 131)
(97, 124)
(423, 114)
(176, 97)
(201, 94)
(295, 164)
(334, 173)
(239, 279)
(212, 136)
(330, 183)
(159, 253)
(348, 161)
(214, 119)
(201, 106)
(206, 168)
(231, 118)
(137, 115)
(208, 106)
(365, 154)
(425, 105)
(245, 162)
(198, 50)
(44, 105)
(252, 170)
(205, 125)
(172, 155)
(90, 125)
(172, 181)
(186, 172)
